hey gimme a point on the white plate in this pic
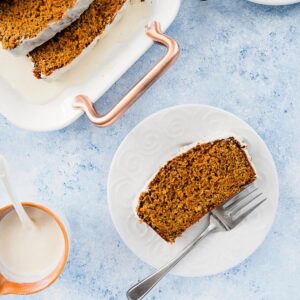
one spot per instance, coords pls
(21, 95)
(150, 145)
(275, 2)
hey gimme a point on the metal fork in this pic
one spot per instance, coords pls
(223, 218)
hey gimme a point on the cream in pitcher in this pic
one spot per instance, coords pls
(34, 244)
(29, 254)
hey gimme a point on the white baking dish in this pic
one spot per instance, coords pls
(37, 105)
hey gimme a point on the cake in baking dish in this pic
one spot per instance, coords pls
(24, 25)
(192, 184)
(59, 53)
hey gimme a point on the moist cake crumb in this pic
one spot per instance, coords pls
(23, 22)
(67, 45)
(192, 184)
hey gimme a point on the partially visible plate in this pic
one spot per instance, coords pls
(151, 144)
(275, 2)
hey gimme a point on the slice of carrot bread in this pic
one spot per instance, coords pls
(192, 184)
(24, 25)
(57, 55)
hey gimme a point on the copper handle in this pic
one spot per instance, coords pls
(155, 33)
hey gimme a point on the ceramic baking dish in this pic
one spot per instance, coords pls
(39, 105)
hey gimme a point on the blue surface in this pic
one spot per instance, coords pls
(239, 56)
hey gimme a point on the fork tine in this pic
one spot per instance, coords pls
(248, 212)
(239, 205)
(238, 198)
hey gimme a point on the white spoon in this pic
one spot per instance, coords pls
(23, 216)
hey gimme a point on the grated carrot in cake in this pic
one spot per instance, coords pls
(25, 25)
(192, 184)
(67, 45)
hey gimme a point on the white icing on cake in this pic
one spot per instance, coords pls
(57, 73)
(70, 16)
(184, 148)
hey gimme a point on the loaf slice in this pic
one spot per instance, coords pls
(24, 25)
(67, 47)
(192, 184)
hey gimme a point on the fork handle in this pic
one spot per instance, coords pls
(139, 290)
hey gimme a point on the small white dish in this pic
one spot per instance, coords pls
(275, 2)
(146, 148)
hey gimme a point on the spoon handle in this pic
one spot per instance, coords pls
(8, 188)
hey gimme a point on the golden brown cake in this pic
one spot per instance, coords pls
(69, 44)
(25, 25)
(192, 184)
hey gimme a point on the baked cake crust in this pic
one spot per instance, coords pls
(192, 184)
(67, 45)
(25, 25)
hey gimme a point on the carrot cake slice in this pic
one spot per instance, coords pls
(192, 184)
(64, 50)
(24, 25)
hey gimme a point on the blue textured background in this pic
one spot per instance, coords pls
(239, 56)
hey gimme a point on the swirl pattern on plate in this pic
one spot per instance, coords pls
(150, 145)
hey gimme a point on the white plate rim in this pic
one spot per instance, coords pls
(275, 2)
(276, 195)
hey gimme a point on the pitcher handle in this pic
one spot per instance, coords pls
(3, 290)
